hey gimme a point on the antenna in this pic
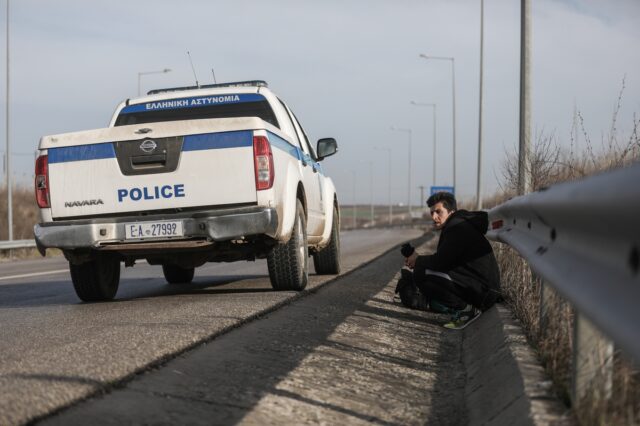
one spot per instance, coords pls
(194, 70)
(214, 76)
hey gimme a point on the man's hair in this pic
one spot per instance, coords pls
(446, 198)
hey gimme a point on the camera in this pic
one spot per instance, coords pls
(407, 249)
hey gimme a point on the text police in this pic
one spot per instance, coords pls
(151, 193)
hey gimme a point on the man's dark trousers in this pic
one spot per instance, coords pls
(444, 291)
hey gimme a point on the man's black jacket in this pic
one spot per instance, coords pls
(465, 254)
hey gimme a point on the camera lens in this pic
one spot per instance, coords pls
(407, 250)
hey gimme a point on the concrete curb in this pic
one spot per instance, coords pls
(506, 384)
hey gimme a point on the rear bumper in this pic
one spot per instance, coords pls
(216, 225)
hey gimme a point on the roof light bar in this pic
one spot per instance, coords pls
(248, 83)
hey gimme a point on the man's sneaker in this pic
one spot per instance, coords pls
(463, 318)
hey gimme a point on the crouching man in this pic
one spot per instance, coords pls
(462, 277)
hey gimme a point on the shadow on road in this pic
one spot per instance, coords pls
(318, 353)
(61, 293)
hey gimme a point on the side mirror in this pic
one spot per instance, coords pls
(326, 147)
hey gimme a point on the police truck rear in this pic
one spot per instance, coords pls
(186, 176)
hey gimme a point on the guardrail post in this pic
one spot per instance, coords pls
(546, 295)
(592, 363)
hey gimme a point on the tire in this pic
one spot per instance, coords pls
(289, 263)
(176, 275)
(327, 260)
(96, 280)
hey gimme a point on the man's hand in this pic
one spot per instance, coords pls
(410, 262)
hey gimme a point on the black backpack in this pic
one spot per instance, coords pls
(409, 293)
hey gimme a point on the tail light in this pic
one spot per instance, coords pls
(263, 159)
(42, 181)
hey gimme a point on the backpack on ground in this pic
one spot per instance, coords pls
(410, 295)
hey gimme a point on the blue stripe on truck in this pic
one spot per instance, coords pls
(218, 140)
(201, 142)
(82, 152)
(297, 153)
(278, 142)
(191, 143)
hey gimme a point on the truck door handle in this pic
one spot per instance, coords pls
(149, 160)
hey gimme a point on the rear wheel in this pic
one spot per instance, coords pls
(96, 280)
(327, 260)
(176, 275)
(288, 263)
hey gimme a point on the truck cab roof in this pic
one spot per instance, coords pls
(251, 86)
(207, 101)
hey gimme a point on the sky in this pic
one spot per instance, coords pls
(349, 69)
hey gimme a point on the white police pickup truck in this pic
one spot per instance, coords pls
(185, 176)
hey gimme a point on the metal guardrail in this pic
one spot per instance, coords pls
(17, 244)
(583, 239)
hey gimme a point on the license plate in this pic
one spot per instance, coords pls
(140, 230)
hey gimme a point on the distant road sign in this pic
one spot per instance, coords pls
(450, 189)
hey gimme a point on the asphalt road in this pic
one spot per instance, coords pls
(344, 355)
(56, 351)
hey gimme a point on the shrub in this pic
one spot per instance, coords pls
(549, 164)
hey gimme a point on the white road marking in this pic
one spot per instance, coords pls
(34, 274)
(57, 271)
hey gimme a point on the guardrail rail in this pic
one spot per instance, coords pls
(583, 239)
(17, 244)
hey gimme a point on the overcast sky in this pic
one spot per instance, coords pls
(348, 69)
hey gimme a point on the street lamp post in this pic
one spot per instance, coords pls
(408, 131)
(389, 172)
(453, 93)
(140, 74)
(479, 179)
(370, 162)
(524, 171)
(371, 189)
(434, 135)
(353, 212)
(8, 151)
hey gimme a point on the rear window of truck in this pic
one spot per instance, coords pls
(146, 113)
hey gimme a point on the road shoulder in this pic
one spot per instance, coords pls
(506, 384)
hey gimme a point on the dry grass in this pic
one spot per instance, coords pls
(623, 407)
(25, 213)
(555, 341)
(552, 333)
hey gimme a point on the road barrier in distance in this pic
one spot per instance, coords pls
(17, 244)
